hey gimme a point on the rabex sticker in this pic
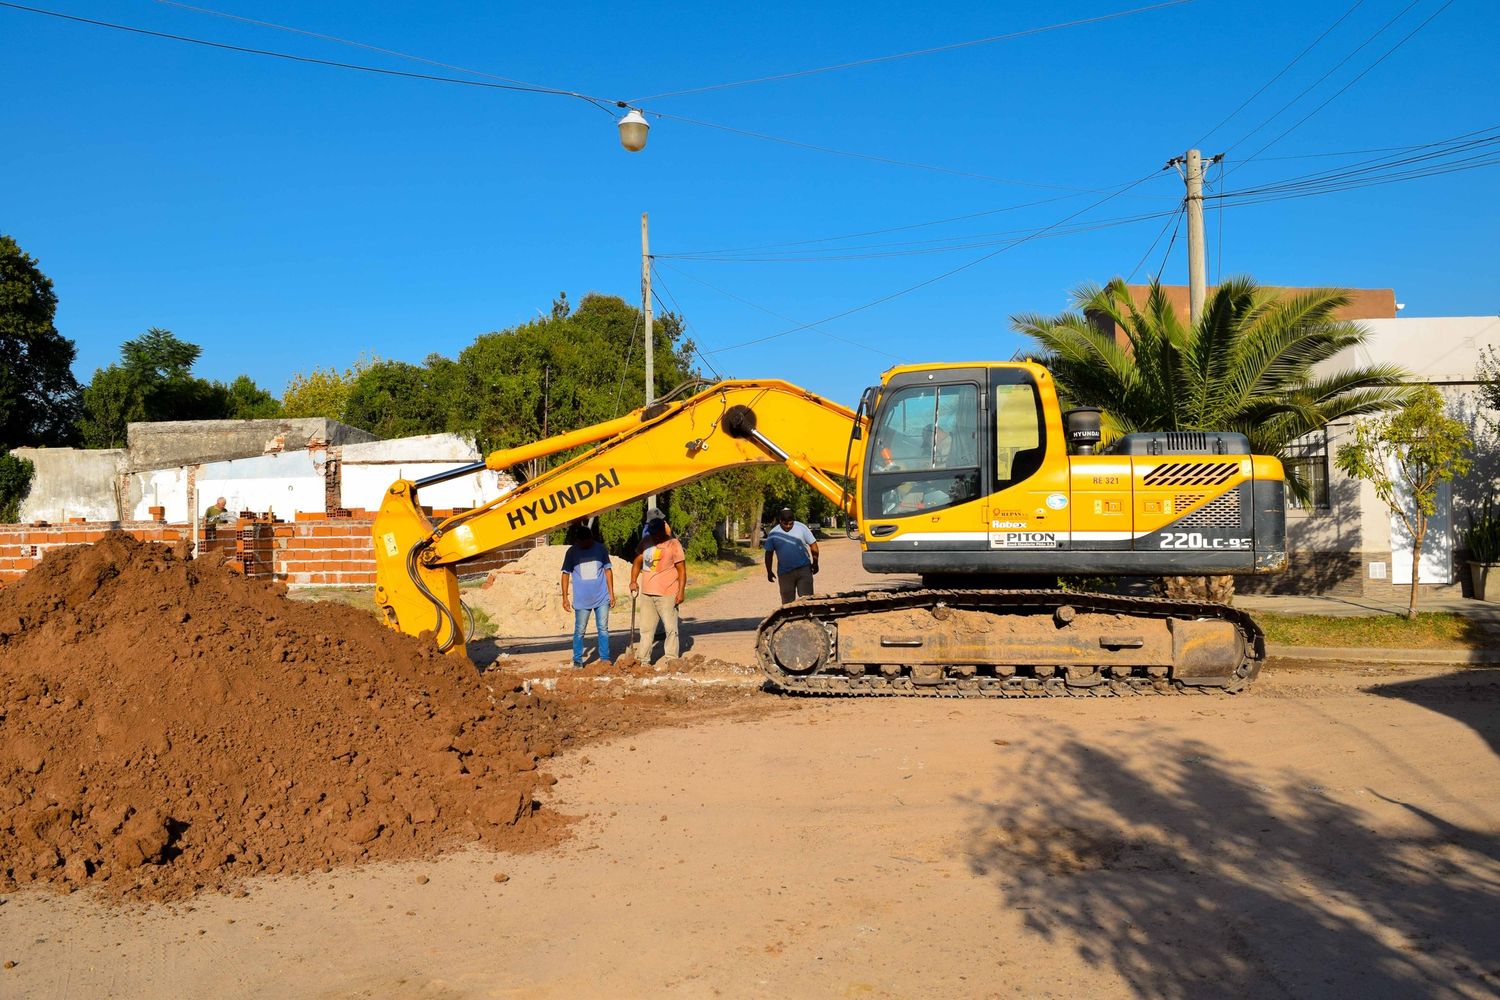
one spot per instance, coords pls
(390, 544)
(1057, 501)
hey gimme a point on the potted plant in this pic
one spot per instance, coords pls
(1482, 540)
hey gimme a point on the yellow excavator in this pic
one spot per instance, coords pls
(967, 475)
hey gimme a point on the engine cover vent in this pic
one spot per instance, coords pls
(1191, 474)
(1223, 512)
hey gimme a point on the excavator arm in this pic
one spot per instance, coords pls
(725, 425)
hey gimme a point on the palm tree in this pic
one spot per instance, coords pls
(1250, 363)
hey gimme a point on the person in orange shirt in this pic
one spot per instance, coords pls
(659, 576)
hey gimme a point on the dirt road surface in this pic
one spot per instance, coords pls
(1336, 832)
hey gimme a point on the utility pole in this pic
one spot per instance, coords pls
(1197, 253)
(1191, 164)
(650, 335)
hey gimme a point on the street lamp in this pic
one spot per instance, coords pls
(633, 129)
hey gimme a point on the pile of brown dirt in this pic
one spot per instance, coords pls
(167, 727)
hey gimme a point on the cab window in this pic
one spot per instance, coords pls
(925, 452)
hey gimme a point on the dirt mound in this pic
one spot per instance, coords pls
(167, 727)
(524, 598)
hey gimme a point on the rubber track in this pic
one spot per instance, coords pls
(835, 607)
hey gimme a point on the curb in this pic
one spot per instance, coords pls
(1349, 654)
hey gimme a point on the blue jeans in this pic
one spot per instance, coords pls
(601, 626)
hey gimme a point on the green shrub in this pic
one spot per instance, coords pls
(15, 483)
(1482, 537)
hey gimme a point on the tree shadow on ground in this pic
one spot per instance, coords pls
(1468, 696)
(1189, 879)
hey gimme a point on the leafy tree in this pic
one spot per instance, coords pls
(15, 483)
(1247, 365)
(153, 381)
(1489, 377)
(1407, 456)
(248, 401)
(322, 392)
(38, 393)
(393, 399)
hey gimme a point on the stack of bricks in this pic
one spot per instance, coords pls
(318, 552)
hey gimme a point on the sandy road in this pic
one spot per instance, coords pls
(1329, 834)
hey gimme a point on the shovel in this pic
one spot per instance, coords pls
(627, 658)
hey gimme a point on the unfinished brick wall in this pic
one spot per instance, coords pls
(338, 552)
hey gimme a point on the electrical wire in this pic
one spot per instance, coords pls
(1388, 52)
(912, 54)
(677, 310)
(629, 348)
(1219, 264)
(1282, 72)
(937, 277)
(1336, 67)
(1170, 244)
(871, 157)
(346, 41)
(1164, 228)
(271, 53)
(776, 315)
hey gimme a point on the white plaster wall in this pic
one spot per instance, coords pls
(72, 482)
(370, 469)
(158, 488)
(286, 484)
(365, 485)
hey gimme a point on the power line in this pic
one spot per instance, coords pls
(1165, 226)
(773, 313)
(1351, 83)
(938, 277)
(520, 88)
(1304, 92)
(1282, 72)
(681, 315)
(912, 54)
(871, 157)
(345, 41)
(604, 104)
(1171, 243)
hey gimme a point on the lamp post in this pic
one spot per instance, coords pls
(633, 129)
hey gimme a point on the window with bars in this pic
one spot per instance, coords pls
(1313, 471)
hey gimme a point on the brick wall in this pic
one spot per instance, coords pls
(336, 552)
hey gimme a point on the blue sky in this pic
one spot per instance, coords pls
(289, 216)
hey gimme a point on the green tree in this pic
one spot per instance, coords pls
(38, 393)
(322, 392)
(392, 399)
(1489, 378)
(15, 483)
(1407, 456)
(152, 381)
(247, 401)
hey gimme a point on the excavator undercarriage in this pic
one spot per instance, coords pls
(1007, 643)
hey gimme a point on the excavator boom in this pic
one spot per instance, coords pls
(641, 453)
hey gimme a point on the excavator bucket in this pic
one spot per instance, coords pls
(413, 597)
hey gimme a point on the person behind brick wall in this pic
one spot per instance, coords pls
(218, 511)
(588, 588)
(796, 552)
(659, 575)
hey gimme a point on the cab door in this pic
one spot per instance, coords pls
(1029, 503)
